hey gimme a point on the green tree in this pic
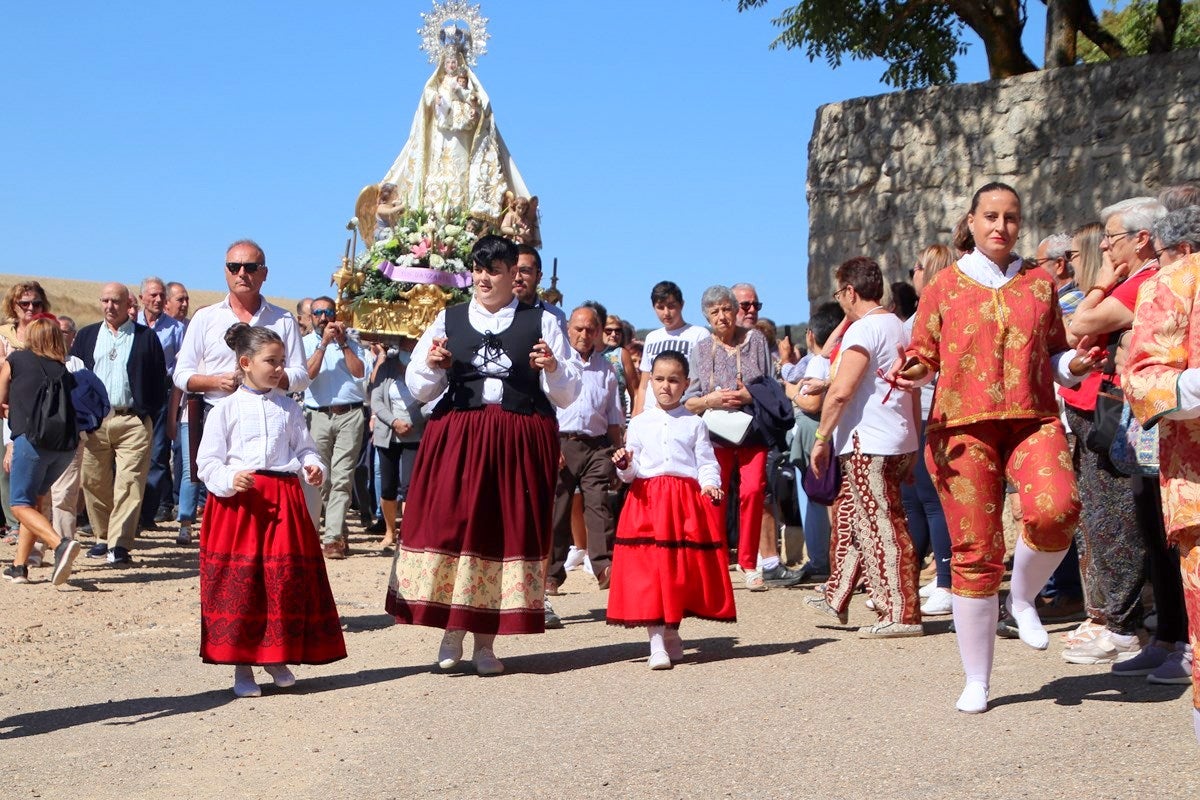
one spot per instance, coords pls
(919, 39)
(1139, 29)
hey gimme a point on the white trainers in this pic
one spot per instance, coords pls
(451, 649)
(928, 589)
(754, 581)
(939, 603)
(575, 558)
(973, 699)
(659, 660)
(1107, 648)
(486, 662)
(280, 673)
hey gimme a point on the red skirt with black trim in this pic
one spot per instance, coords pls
(667, 563)
(264, 593)
(477, 525)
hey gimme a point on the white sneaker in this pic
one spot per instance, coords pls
(928, 589)
(282, 676)
(451, 649)
(1107, 648)
(486, 662)
(870, 604)
(754, 581)
(939, 603)
(659, 660)
(575, 558)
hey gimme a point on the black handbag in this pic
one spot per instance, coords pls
(1110, 403)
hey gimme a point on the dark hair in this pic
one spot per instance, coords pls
(323, 299)
(246, 340)
(490, 249)
(598, 307)
(824, 321)
(963, 240)
(994, 186)
(864, 275)
(672, 355)
(664, 291)
(529, 250)
(904, 298)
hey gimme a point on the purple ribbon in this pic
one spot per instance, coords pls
(422, 275)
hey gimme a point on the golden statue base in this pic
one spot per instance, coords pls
(409, 316)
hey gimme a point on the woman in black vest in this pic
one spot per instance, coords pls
(34, 469)
(477, 526)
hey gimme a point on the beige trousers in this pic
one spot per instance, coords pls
(61, 504)
(116, 461)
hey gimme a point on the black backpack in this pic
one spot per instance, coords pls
(52, 424)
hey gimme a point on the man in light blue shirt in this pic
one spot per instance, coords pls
(334, 401)
(156, 504)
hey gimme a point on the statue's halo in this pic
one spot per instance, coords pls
(454, 11)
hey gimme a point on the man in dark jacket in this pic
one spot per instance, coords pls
(128, 360)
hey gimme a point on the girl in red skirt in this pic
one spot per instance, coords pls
(667, 563)
(264, 595)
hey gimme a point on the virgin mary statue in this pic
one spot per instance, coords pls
(454, 158)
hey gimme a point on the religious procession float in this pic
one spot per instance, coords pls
(453, 182)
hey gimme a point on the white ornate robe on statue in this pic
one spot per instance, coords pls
(454, 156)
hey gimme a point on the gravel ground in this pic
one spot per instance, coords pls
(104, 696)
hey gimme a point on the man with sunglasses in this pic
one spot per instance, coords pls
(206, 367)
(1053, 255)
(748, 305)
(334, 402)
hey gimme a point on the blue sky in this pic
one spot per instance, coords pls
(664, 139)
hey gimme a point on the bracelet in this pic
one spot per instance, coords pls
(821, 437)
(319, 347)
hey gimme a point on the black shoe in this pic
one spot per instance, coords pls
(98, 550)
(165, 514)
(553, 623)
(120, 556)
(377, 526)
(781, 576)
(20, 574)
(1006, 628)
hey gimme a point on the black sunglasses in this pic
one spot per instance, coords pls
(746, 305)
(251, 267)
(324, 312)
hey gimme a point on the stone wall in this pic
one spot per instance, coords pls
(890, 174)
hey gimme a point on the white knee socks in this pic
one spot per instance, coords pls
(975, 621)
(1031, 569)
(1196, 723)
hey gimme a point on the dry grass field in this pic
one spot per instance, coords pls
(79, 299)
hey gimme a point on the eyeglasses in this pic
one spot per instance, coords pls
(1040, 261)
(746, 305)
(251, 267)
(1112, 237)
(1069, 255)
(838, 293)
(613, 330)
(25, 305)
(324, 312)
(912, 273)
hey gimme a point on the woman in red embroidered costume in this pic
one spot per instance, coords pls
(264, 595)
(993, 333)
(477, 526)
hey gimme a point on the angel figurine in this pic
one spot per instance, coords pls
(520, 222)
(377, 209)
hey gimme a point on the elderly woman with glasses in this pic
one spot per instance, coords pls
(618, 355)
(1162, 385)
(23, 302)
(724, 364)
(871, 430)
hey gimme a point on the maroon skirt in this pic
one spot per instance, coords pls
(477, 525)
(264, 594)
(667, 562)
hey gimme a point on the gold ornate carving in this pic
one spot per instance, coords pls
(410, 316)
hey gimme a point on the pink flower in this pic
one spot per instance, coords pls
(421, 250)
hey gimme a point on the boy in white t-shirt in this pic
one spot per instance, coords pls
(675, 334)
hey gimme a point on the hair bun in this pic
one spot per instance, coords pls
(236, 333)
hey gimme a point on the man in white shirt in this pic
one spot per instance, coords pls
(675, 334)
(589, 429)
(748, 304)
(205, 364)
(157, 501)
(334, 402)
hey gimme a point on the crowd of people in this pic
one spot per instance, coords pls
(998, 412)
